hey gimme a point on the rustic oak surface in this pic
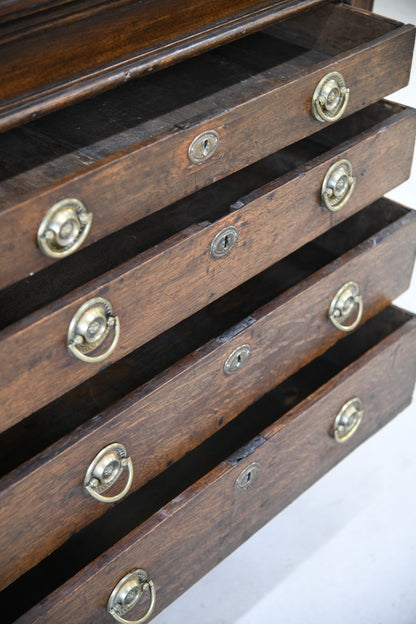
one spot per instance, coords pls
(121, 180)
(271, 224)
(107, 43)
(178, 409)
(192, 533)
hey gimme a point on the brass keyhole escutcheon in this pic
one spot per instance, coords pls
(247, 476)
(90, 327)
(347, 303)
(330, 98)
(64, 228)
(105, 470)
(203, 147)
(338, 185)
(348, 420)
(127, 593)
(223, 242)
(236, 360)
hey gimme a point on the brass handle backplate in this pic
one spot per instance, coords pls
(64, 228)
(105, 470)
(338, 185)
(90, 327)
(348, 420)
(330, 98)
(346, 302)
(127, 594)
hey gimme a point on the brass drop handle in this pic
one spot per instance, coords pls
(90, 328)
(64, 228)
(127, 593)
(338, 185)
(330, 98)
(346, 302)
(348, 420)
(105, 470)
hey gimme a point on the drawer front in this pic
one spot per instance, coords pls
(119, 186)
(98, 47)
(271, 223)
(157, 426)
(213, 516)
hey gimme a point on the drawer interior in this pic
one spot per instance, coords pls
(43, 151)
(230, 444)
(207, 205)
(233, 310)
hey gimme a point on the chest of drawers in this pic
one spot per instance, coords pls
(174, 250)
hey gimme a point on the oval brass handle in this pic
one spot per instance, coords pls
(338, 185)
(348, 420)
(105, 470)
(346, 300)
(330, 98)
(64, 228)
(127, 593)
(90, 327)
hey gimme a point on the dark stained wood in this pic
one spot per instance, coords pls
(178, 409)
(204, 522)
(108, 43)
(175, 278)
(133, 166)
(213, 203)
(368, 5)
(11, 10)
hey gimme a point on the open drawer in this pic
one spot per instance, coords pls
(172, 264)
(184, 522)
(89, 170)
(179, 389)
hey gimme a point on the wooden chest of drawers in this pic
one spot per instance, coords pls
(180, 257)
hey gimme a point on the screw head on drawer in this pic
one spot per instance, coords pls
(203, 147)
(348, 420)
(64, 228)
(237, 359)
(223, 242)
(330, 98)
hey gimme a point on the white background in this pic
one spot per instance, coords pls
(345, 551)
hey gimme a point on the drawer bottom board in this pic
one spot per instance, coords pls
(287, 434)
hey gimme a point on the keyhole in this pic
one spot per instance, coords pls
(205, 147)
(226, 242)
(248, 477)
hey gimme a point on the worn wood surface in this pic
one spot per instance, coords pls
(175, 278)
(131, 163)
(368, 5)
(108, 43)
(178, 409)
(205, 522)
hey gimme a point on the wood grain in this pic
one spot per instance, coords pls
(177, 410)
(143, 177)
(368, 5)
(209, 519)
(106, 44)
(271, 223)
